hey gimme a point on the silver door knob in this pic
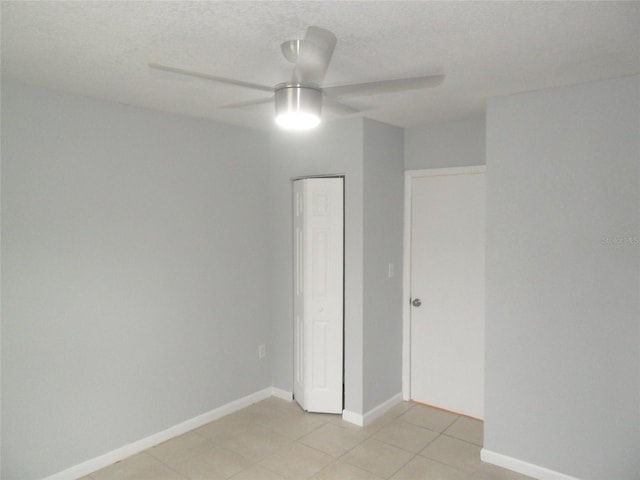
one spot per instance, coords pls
(416, 302)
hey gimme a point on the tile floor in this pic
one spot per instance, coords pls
(274, 439)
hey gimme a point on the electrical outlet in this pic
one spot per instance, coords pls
(262, 351)
(390, 272)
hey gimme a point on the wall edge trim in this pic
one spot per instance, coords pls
(102, 461)
(373, 414)
(282, 394)
(353, 417)
(381, 409)
(520, 466)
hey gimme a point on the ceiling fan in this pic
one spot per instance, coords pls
(299, 101)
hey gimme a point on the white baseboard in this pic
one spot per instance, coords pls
(282, 394)
(121, 453)
(353, 417)
(521, 466)
(373, 414)
(381, 409)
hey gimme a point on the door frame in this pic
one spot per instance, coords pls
(409, 175)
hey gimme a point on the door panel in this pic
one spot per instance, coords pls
(447, 275)
(318, 299)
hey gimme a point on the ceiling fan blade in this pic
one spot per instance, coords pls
(291, 50)
(314, 55)
(248, 103)
(206, 76)
(385, 86)
(339, 108)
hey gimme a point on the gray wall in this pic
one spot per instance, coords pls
(563, 279)
(131, 241)
(334, 148)
(383, 229)
(451, 144)
(369, 154)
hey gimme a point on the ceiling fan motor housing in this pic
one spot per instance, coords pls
(298, 103)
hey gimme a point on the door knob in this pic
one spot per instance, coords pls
(416, 302)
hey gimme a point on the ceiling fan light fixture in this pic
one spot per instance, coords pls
(298, 107)
(298, 102)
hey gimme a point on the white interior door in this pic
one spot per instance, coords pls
(447, 291)
(318, 293)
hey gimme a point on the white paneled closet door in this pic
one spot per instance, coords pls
(318, 293)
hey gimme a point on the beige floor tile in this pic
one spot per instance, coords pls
(420, 468)
(332, 439)
(343, 471)
(178, 449)
(428, 417)
(275, 440)
(466, 456)
(453, 452)
(297, 461)
(361, 432)
(213, 464)
(225, 427)
(377, 457)
(257, 472)
(377, 424)
(256, 444)
(140, 466)
(467, 429)
(406, 436)
(266, 410)
(296, 424)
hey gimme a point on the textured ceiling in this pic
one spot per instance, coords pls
(101, 49)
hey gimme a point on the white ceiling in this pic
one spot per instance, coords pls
(101, 49)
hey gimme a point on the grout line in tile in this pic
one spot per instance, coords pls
(165, 464)
(403, 465)
(363, 436)
(456, 438)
